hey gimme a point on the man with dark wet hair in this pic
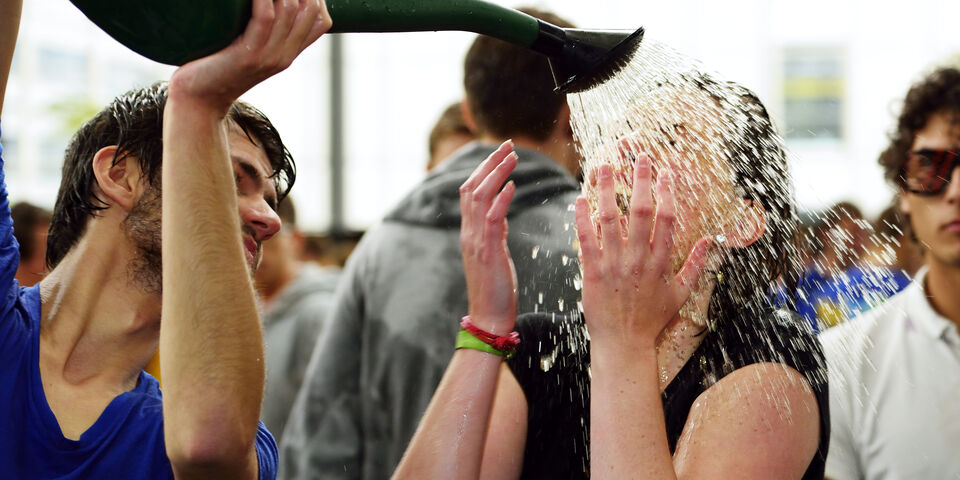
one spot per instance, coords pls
(390, 335)
(895, 372)
(74, 400)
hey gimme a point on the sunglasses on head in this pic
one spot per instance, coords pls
(927, 171)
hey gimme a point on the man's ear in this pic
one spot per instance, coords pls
(119, 182)
(468, 117)
(748, 227)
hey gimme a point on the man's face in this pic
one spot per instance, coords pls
(256, 199)
(936, 219)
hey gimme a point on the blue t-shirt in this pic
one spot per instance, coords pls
(125, 442)
(826, 301)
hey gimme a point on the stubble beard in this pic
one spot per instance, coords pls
(143, 228)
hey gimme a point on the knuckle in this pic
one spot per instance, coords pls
(608, 216)
(644, 210)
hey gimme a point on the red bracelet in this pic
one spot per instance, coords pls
(505, 343)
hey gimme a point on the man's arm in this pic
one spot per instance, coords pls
(211, 345)
(9, 26)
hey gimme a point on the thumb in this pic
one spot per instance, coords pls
(692, 269)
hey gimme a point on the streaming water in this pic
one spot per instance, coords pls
(730, 168)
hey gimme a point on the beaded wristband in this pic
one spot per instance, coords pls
(474, 338)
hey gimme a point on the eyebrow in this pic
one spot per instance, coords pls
(254, 175)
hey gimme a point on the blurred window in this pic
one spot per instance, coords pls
(813, 93)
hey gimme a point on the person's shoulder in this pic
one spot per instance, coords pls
(859, 333)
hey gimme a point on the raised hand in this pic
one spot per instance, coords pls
(277, 32)
(491, 278)
(629, 291)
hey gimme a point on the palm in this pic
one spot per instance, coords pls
(491, 278)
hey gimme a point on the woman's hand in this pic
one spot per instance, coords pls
(629, 291)
(491, 278)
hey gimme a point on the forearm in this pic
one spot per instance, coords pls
(449, 442)
(211, 345)
(627, 431)
(9, 26)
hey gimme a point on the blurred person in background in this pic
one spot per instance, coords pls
(839, 282)
(390, 336)
(892, 247)
(30, 225)
(895, 372)
(296, 298)
(331, 249)
(448, 135)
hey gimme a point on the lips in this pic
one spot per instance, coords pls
(952, 227)
(250, 250)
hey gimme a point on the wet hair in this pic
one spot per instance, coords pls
(759, 163)
(26, 218)
(510, 88)
(133, 122)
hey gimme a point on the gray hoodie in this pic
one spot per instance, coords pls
(397, 312)
(291, 323)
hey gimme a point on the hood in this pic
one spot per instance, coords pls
(436, 201)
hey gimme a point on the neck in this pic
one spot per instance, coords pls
(683, 335)
(95, 325)
(556, 148)
(941, 288)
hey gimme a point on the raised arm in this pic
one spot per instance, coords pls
(9, 26)
(211, 347)
(449, 443)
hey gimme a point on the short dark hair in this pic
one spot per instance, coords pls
(133, 122)
(828, 219)
(451, 122)
(938, 92)
(26, 218)
(510, 88)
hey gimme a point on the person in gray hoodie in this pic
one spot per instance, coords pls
(396, 313)
(296, 297)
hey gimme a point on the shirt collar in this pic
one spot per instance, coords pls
(921, 313)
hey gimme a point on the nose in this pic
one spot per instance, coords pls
(952, 193)
(257, 214)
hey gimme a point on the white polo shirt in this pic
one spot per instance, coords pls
(895, 392)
